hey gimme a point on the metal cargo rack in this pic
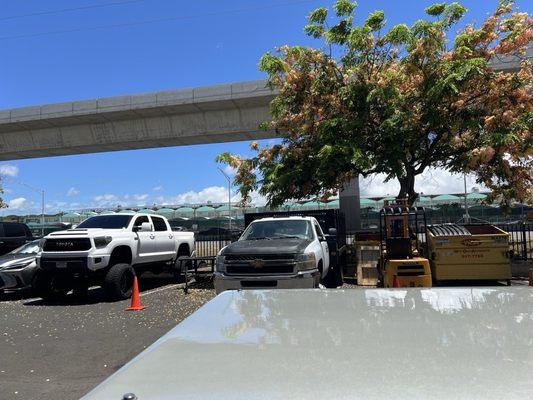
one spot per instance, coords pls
(190, 267)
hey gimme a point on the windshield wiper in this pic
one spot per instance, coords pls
(260, 238)
(286, 237)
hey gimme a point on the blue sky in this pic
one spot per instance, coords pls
(208, 42)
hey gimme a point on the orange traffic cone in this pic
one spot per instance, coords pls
(395, 281)
(135, 304)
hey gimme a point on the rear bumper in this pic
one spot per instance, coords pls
(302, 280)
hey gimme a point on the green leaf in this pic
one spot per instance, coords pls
(435, 9)
(375, 20)
(452, 13)
(318, 16)
(344, 7)
(398, 34)
(314, 30)
(271, 64)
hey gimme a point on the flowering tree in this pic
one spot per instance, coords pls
(396, 102)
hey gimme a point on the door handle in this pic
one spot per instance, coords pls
(170, 236)
(152, 237)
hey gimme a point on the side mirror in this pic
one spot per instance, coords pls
(146, 227)
(332, 232)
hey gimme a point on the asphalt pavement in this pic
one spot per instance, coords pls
(60, 351)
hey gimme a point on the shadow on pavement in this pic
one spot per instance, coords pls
(96, 294)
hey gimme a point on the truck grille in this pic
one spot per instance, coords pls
(265, 257)
(74, 244)
(259, 264)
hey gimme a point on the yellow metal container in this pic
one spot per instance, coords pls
(469, 252)
(412, 272)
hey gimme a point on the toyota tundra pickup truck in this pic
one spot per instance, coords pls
(106, 250)
(276, 252)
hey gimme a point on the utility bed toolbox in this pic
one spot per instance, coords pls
(473, 252)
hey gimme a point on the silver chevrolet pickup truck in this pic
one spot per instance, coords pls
(415, 343)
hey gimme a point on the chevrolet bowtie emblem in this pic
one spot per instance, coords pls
(258, 263)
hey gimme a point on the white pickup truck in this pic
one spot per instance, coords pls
(105, 250)
(276, 252)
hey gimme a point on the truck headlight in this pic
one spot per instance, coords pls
(305, 261)
(102, 241)
(219, 263)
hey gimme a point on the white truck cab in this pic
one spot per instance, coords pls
(106, 250)
(275, 252)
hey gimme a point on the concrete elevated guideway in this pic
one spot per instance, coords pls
(219, 113)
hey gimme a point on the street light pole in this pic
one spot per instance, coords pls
(229, 194)
(467, 216)
(41, 191)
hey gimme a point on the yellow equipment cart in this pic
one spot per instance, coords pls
(402, 263)
(468, 252)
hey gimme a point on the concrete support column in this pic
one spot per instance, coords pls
(349, 204)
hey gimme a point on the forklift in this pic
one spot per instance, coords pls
(402, 263)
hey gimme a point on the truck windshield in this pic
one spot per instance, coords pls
(280, 229)
(107, 222)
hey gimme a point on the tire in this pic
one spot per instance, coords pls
(50, 287)
(118, 282)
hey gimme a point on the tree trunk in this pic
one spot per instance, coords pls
(407, 187)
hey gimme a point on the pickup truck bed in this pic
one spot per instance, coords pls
(449, 343)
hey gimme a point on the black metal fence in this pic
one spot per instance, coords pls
(520, 239)
(210, 245)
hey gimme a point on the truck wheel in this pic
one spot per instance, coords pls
(50, 287)
(118, 282)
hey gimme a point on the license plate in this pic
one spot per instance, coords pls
(61, 264)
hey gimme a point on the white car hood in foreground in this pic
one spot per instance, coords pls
(454, 343)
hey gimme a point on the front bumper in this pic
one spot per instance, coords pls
(65, 261)
(301, 280)
(16, 279)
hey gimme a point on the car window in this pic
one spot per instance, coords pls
(106, 222)
(159, 224)
(278, 229)
(140, 220)
(13, 230)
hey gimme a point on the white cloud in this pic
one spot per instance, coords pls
(106, 197)
(72, 192)
(214, 194)
(432, 181)
(140, 197)
(228, 169)
(157, 188)
(17, 203)
(9, 170)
